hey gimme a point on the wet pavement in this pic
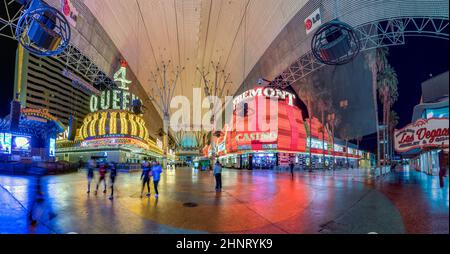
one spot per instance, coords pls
(345, 201)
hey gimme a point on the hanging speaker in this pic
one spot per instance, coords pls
(42, 29)
(15, 115)
(335, 43)
(72, 128)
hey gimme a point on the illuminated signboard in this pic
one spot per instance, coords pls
(317, 144)
(116, 99)
(21, 144)
(285, 130)
(338, 148)
(245, 147)
(423, 133)
(267, 92)
(270, 146)
(34, 114)
(111, 141)
(261, 137)
(52, 147)
(69, 11)
(313, 21)
(5, 143)
(121, 75)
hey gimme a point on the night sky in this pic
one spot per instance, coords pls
(7, 68)
(413, 62)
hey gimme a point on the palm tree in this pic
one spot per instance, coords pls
(323, 104)
(393, 122)
(307, 95)
(377, 62)
(387, 84)
(346, 135)
(332, 121)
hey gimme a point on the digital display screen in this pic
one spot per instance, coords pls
(21, 144)
(52, 147)
(5, 143)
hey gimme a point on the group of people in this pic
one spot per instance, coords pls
(102, 170)
(150, 171)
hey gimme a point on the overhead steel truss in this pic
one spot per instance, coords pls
(82, 65)
(10, 12)
(381, 33)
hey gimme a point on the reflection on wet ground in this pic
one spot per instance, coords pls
(345, 201)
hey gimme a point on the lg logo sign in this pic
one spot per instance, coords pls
(308, 24)
(313, 21)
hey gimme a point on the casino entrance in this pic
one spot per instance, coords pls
(264, 161)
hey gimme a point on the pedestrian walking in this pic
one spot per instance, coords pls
(442, 167)
(92, 165)
(145, 177)
(80, 164)
(156, 174)
(37, 206)
(112, 177)
(102, 177)
(291, 166)
(218, 175)
(393, 166)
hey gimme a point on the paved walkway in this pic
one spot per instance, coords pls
(251, 202)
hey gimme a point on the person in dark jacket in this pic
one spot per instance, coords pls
(145, 177)
(442, 168)
(291, 166)
(92, 165)
(112, 177)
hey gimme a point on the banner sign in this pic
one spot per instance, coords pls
(423, 133)
(70, 13)
(313, 21)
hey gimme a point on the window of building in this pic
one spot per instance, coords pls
(435, 113)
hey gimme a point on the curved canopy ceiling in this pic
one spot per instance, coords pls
(192, 33)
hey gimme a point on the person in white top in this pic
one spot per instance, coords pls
(218, 175)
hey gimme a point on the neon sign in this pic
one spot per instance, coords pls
(116, 99)
(267, 92)
(42, 113)
(121, 75)
(432, 132)
(113, 99)
(261, 137)
(5, 143)
(52, 147)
